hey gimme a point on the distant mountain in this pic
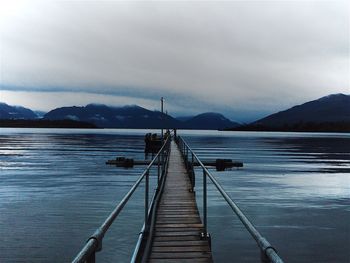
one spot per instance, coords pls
(209, 121)
(15, 112)
(184, 118)
(332, 108)
(115, 117)
(41, 123)
(136, 117)
(330, 113)
(39, 113)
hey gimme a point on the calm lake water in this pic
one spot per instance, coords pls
(55, 190)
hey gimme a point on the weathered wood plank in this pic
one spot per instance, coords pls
(176, 203)
(177, 233)
(198, 260)
(183, 216)
(177, 208)
(178, 212)
(181, 225)
(179, 220)
(183, 248)
(179, 243)
(181, 255)
(177, 229)
(177, 238)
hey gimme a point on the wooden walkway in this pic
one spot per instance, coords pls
(178, 225)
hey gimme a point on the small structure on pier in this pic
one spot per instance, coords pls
(153, 143)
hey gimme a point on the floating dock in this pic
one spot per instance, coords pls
(219, 164)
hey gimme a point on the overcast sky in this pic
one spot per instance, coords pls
(242, 58)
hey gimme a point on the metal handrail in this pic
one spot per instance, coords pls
(146, 235)
(94, 242)
(268, 252)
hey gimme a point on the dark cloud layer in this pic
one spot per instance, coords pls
(236, 57)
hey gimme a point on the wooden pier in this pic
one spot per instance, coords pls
(178, 226)
(173, 230)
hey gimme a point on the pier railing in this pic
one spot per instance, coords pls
(94, 242)
(268, 252)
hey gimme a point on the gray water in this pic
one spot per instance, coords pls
(55, 190)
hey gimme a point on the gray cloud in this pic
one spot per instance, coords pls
(236, 57)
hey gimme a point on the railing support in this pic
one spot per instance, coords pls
(162, 161)
(263, 257)
(94, 243)
(158, 174)
(268, 253)
(193, 175)
(92, 258)
(146, 200)
(205, 203)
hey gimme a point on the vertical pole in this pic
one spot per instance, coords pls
(205, 202)
(158, 175)
(92, 258)
(146, 200)
(163, 160)
(162, 102)
(193, 180)
(263, 257)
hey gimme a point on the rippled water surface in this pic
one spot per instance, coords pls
(55, 190)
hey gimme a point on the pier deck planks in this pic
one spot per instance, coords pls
(178, 225)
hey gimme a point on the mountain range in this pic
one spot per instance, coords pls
(132, 116)
(137, 117)
(332, 108)
(329, 113)
(16, 112)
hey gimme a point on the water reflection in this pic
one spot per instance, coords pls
(293, 187)
(55, 189)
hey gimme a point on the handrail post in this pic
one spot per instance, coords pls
(163, 166)
(158, 174)
(205, 234)
(193, 179)
(92, 258)
(268, 253)
(94, 243)
(205, 204)
(263, 257)
(183, 148)
(146, 200)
